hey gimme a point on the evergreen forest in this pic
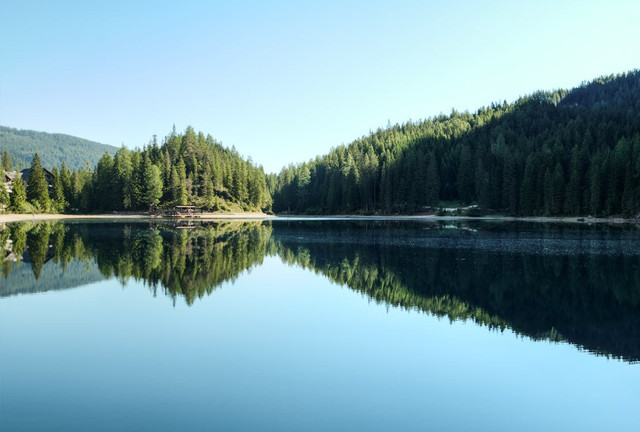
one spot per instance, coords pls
(555, 153)
(186, 169)
(53, 148)
(551, 153)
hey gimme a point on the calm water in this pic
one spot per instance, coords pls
(319, 325)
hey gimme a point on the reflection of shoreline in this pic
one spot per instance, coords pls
(561, 283)
(6, 218)
(499, 281)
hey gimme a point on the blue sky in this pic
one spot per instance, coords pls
(286, 81)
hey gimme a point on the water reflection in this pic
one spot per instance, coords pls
(560, 283)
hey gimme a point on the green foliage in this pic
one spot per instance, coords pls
(52, 148)
(185, 263)
(123, 175)
(37, 186)
(551, 296)
(6, 161)
(190, 169)
(38, 246)
(18, 197)
(152, 185)
(554, 153)
(105, 191)
(531, 282)
(58, 201)
(4, 197)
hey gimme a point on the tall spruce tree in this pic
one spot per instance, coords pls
(152, 184)
(6, 161)
(18, 196)
(4, 197)
(37, 186)
(65, 178)
(58, 201)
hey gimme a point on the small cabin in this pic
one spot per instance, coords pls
(25, 173)
(8, 179)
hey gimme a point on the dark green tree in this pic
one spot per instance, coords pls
(628, 203)
(58, 201)
(466, 176)
(4, 197)
(6, 161)
(65, 178)
(18, 197)
(482, 185)
(152, 184)
(107, 194)
(432, 191)
(123, 179)
(37, 186)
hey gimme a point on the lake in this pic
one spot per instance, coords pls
(319, 325)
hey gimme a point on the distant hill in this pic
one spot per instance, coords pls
(52, 148)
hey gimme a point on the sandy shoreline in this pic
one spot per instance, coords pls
(5, 218)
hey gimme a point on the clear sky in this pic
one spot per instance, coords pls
(286, 81)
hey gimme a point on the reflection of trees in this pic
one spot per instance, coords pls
(183, 262)
(189, 263)
(591, 298)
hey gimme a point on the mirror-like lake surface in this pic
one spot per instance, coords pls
(319, 325)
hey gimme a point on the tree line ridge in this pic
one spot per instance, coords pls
(563, 152)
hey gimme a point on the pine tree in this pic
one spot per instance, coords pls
(180, 186)
(65, 177)
(6, 161)
(37, 186)
(4, 197)
(574, 195)
(302, 187)
(595, 189)
(558, 189)
(548, 193)
(628, 205)
(482, 185)
(18, 196)
(528, 188)
(152, 184)
(432, 192)
(107, 195)
(123, 178)
(58, 201)
(510, 190)
(465, 176)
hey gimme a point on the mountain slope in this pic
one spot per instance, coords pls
(552, 153)
(52, 148)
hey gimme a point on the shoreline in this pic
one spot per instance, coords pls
(19, 217)
(15, 217)
(497, 218)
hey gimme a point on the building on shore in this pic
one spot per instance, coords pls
(10, 176)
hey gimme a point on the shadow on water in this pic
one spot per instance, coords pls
(572, 283)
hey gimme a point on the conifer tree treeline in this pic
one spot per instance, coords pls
(552, 153)
(187, 169)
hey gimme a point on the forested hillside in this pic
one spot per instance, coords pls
(187, 169)
(52, 148)
(552, 153)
